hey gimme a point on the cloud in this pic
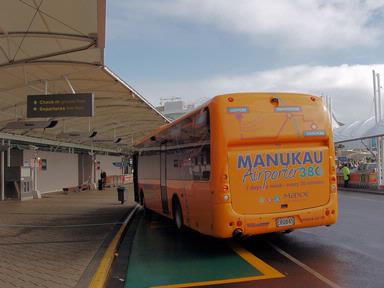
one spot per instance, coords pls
(304, 24)
(350, 86)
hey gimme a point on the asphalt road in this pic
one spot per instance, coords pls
(348, 254)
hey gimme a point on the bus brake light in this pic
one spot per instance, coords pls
(275, 101)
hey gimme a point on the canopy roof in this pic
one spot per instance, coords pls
(362, 129)
(57, 47)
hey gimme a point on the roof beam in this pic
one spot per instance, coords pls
(48, 55)
(52, 142)
(54, 35)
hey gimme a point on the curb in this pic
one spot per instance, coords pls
(100, 278)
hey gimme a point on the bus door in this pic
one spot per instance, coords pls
(163, 178)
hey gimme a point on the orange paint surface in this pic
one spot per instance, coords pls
(267, 161)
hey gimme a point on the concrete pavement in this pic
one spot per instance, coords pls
(54, 241)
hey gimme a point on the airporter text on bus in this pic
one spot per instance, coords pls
(242, 164)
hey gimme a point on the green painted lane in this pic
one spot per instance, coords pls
(162, 256)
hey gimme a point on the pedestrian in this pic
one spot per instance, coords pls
(346, 174)
(104, 178)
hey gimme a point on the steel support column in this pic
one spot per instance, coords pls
(2, 173)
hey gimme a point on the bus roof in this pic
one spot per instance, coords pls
(205, 104)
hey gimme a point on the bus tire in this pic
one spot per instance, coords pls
(177, 214)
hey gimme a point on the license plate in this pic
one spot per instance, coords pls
(286, 221)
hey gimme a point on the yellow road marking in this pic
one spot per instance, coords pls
(268, 271)
(215, 282)
(256, 262)
(100, 278)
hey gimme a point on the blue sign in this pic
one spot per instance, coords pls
(238, 110)
(288, 109)
(314, 133)
(120, 164)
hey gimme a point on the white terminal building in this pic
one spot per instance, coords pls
(173, 108)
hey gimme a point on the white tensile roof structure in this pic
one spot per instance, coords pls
(358, 130)
(53, 47)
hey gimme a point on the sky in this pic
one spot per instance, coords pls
(196, 49)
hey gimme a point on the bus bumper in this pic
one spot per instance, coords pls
(226, 221)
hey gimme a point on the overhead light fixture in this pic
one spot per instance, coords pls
(115, 141)
(33, 147)
(77, 134)
(29, 125)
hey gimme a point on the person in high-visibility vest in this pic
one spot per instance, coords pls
(346, 173)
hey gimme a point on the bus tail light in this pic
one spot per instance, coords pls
(239, 223)
(327, 212)
(230, 99)
(275, 101)
(333, 179)
(225, 187)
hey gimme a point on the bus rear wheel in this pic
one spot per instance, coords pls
(178, 215)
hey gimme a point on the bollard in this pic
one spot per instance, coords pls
(120, 194)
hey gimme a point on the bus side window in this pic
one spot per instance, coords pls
(206, 163)
(202, 126)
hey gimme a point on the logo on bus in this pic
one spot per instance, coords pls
(264, 168)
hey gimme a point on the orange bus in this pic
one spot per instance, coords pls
(242, 164)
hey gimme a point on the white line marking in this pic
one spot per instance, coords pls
(305, 267)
